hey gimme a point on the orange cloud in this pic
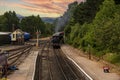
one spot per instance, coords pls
(62, 1)
(42, 9)
(51, 7)
(58, 6)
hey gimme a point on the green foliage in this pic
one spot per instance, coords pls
(107, 27)
(67, 32)
(3, 23)
(100, 30)
(8, 20)
(74, 31)
(113, 58)
(86, 11)
(33, 23)
(49, 29)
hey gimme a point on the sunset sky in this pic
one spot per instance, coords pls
(45, 8)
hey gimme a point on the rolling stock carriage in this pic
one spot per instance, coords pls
(6, 37)
(57, 40)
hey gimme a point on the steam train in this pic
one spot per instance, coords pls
(57, 40)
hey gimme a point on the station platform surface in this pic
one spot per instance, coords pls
(93, 68)
(25, 69)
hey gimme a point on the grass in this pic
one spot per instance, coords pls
(113, 58)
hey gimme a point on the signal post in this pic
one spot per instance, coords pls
(37, 33)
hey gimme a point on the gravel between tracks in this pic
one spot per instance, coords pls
(93, 68)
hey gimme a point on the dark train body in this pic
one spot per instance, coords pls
(5, 37)
(57, 40)
(26, 36)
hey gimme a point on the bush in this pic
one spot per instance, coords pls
(113, 58)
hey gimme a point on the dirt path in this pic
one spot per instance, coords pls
(93, 68)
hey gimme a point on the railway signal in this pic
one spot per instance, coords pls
(38, 33)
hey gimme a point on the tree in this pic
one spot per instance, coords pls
(11, 20)
(33, 23)
(8, 20)
(86, 11)
(103, 25)
(3, 23)
(49, 29)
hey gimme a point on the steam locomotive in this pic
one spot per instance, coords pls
(57, 40)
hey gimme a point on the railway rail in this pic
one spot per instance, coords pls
(68, 72)
(13, 58)
(42, 62)
(53, 64)
(44, 65)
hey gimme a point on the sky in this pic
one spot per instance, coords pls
(44, 8)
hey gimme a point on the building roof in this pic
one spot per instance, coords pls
(19, 30)
(5, 33)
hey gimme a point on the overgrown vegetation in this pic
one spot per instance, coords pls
(31, 24)
(96, 25)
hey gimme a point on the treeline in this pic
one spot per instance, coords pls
(95, 26)
(9, 22)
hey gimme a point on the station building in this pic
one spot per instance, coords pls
(17, 37)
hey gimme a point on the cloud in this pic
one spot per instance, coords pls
(49, 6)
(40, 6)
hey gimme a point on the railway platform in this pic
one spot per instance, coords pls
(25, 69)
(91, 68)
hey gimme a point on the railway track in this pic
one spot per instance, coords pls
(68, 71)
(42, 63)
(53, 64)
(14, 57)
(18, 55)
